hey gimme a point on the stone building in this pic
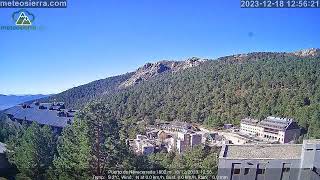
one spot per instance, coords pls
(187, 140)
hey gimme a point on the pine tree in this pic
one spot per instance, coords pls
(214, 121)
(72, 160)
(8, 128)
(108, 150)
(33, 152)
(315, 127)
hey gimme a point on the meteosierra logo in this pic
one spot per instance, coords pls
(23, 18)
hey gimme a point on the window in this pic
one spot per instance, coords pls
(246, 171)
(314, 169)
(286, 170)
(261, 171)
(285, 175)
(236, 171)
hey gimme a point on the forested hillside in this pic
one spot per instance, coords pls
(226, 90)
(77, 97)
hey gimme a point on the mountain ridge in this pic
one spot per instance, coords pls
(77, 97)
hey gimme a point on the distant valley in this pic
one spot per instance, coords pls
(7, 101)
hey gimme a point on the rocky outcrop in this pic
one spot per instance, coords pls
(308, 52)
(150, 70)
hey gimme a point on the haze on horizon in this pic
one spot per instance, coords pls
(69, 53)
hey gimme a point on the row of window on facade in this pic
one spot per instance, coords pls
(259, 171)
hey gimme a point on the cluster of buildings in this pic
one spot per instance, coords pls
(54, 115)
(180, 136)
(175, 136)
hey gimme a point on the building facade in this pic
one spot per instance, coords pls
(273, 129)
(271, 161)
(187, 140)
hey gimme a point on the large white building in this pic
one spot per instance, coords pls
(272, 129)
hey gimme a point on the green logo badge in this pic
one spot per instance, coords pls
(23, 18)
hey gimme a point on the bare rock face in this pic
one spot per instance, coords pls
(192, 63)
(308, 52)
(150, 70)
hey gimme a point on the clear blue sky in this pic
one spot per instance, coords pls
(101, 38)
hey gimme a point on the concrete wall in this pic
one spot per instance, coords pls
(310, 160)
